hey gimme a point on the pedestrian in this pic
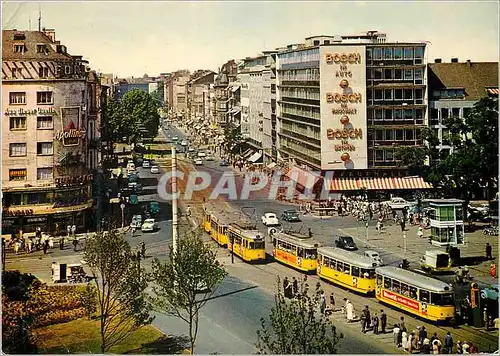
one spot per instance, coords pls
(61, 243)
(486, 319)
(473, 349)
(448, 343)
(286, 284)
(460, 350)
(68, 230)
(332, 302)
(16, 246)
(465, 348)
(73, 230)
(402, 325)
(436, 347)
(295, 287)
(322, 302)
(375, 324)
(411, 343)
(493, 270)
(426, 347)
(402, 223)
(420, 232)
(404, 340)
(350, 311)
(75, 243)
(488, 251)
(29, 245)
(395, 333)
(383, 320)
(45, 246)
(51, 241)
(143, 249)
(422, 334)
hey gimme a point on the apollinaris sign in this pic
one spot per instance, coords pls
(343, 107)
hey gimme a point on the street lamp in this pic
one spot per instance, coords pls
(122, 206)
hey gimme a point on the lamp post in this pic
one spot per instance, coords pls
(404, 241)
(174, 202)
(122, 206)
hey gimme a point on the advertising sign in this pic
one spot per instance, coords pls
(343, 108)
(406, 302)
(72, 131)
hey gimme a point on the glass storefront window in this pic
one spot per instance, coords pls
(398, 53)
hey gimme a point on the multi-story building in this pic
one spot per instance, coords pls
(227, 75)
(199, 88)
(346, 103)
(269, 108)
(146, 83)
(454, 88)
(45, 176)
(176, 92)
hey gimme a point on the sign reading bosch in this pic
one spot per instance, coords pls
(343, 109)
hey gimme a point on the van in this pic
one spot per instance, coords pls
(374, 256)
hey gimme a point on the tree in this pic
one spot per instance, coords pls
(121, 287)
(296, 326)
(184, 283)
(117, 126)
(141, 111)
(232, 139)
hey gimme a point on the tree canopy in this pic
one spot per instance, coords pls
(233, 139)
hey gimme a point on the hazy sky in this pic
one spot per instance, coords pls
(133, 38)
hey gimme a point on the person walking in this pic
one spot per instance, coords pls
(448, 343)
(295, 287)
(493, 270)
(332, 302)
(45, 246)
(402, 325)
(73, 230)
(422, 334)
(420, 232)
(488, 251)
(322, 302)
(286, 284)
(404, 340)
(61, 243)
(68, 230)
(75, 243)
(51, 242)
(383, 320)
(395, 333)
(375, 324)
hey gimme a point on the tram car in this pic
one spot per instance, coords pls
(296, 250)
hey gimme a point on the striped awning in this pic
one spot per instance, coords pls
(339, 184)
(493, 91)
(410, 183)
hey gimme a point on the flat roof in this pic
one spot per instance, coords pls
(347, 256)
(302, 241)
(445, 201)
(415, 279)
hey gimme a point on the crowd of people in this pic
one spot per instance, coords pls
(21, 243)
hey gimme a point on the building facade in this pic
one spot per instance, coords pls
(346, 103)
(200, 90)
(223, 87)
(46, 179)
(176, 92)
(454, 88)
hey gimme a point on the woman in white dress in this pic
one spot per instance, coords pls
(350, 311)
(51, 241)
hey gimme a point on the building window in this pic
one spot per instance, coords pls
(418, 75)
(419, 52)
(398, 94)
(398, 53)
(455, 112)
(379, 135)
(43, 72)
(17, 123)
(434, 113)
(398, 74)
(466, 111)
(444, 114)
(368, 53)
(408, 94)
(379, 155)
(379, 94)
(409, 135)
(377, 53)
(44, 173)
(17, 174)
(388, 94)
(419, 116)
(378, 73)
(44, 149)
(388, 74)
(327, 42)
(388, 53)
(408, 53)
(17, 98)
(44, 97)
(389, 155)
(398, 114)
(419, 93)
(408, 114)
(388, 115)
(41, 48)
(408, 74)
(44, 123)
(67, 69)
(17, 149)
(399, 135)
(378, 114)
(389, 135)
(19, 48)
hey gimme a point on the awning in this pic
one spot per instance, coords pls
(271, 165)
(255, 157)
(493, 91)
(375, 183)
(411, 183)
(247, 153)
(340, 184)
(302, 177)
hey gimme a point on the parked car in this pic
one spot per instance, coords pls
(290, 215)
(136, 187)
(149, 225)
(398, 203)
(270, 219)
(145, 164)
(346, 243)
(210, 158)
(155, 169)
(184, 143)
(223, 163)
(374, 256)
(202, 154)
(136, 221)
(198, 162)
(190, 149)
(133, 177)
(175, 138)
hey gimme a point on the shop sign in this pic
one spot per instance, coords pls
(337, 58)
(24, 112)
(74, 180)
(17, 173)
(369, 173)
(19, 212)
(344, 134)
(343, 98)
(78, 134)
(38, 219)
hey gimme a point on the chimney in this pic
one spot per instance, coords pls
(438, 60)
(454, 60)
(51, 33)
(469, 63)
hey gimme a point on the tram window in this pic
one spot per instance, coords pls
(326, 261)
(404, 289)
(368, 273)
(442, 299)
(379, 280)
(424, 296)
(294, 250)
(355, 271)
(387, 283)
(311, 254)
(245, 243)
(333, 264)
(224, 230)
(413, 292)
(257, 245)
(300, 252)
(396, 286)
(274, 242)
(347, 268)
(340, 266)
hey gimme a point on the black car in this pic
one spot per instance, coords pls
(346, 243)
(290, 215)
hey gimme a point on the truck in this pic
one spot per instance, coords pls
(435, 261)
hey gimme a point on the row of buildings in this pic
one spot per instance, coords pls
(53, 133)
(340, 104)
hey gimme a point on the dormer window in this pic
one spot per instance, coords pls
(41, 48)
(19, 48)
(19, 37)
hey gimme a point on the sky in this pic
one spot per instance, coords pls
(137, 38)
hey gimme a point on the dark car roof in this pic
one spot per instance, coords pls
(290, 211)
(346, 238)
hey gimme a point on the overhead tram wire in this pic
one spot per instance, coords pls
(12, 18)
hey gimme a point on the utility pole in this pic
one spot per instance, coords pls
(404, 241)
(174, 202)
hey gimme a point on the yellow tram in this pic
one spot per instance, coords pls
(424, 296)
(347, 269)
(246, 241)
(219, 223)
(207, 218)
(296, 250)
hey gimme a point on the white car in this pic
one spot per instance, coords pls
(398, 203)
(190, 149)
(149, 225)
(175, 138)
(184, 143)
(198, 162)
(374, 256)
(136, 221)
(145, 164)
(270, 219)
(202, 154)
(155, 169)
(210, 158)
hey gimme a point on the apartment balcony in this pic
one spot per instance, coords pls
(299, 83)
